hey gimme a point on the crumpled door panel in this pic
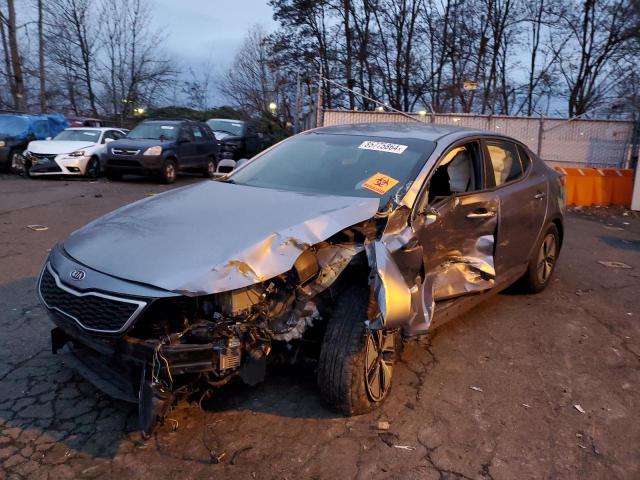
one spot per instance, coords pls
(458, 252)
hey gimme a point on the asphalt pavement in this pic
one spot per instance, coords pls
(540, 386)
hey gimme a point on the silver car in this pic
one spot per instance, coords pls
(334, 245)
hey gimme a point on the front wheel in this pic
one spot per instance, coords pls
(210, 168)
(355, 367)
(543, 261)
(93, 168)
(168, 172)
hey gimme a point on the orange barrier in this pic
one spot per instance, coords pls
(597, 186)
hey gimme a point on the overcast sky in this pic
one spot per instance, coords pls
(199, 31)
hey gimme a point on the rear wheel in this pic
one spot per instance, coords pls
(355, 368)
(543, 262)
(168, 171)
(93, 168)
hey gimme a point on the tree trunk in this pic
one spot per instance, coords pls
(16, 62)
(41, 73)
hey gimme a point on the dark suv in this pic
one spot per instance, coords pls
(163, 147)
(238, 139)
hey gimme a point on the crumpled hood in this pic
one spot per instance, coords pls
(57, 146)
(213, 236)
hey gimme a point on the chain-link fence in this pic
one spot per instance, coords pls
(593, 143)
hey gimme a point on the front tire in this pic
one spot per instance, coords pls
(210, 168)
(168, 172)
(543, 262)
(93, 168)
(355, 367)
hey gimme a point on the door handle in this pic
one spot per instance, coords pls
(482, 213)
(539, 195)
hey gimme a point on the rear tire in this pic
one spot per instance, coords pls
(168, 172)
(543, 262)
(355, 367)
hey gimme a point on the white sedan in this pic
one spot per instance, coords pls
(74, 151)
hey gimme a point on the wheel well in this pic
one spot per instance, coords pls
(173, 158)
(558, 223)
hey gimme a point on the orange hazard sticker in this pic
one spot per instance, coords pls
(380, 183)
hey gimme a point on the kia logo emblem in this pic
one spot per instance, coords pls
(77, 274)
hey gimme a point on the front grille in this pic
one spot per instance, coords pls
(124, 151)
(43, 156)
(48, 166)
(92, 311)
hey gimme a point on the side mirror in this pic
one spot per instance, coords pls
(108, 140)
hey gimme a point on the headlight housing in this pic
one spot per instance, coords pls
(77, 153)
(3, 143)
(156, 150)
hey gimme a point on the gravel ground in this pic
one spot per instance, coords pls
(544, 386)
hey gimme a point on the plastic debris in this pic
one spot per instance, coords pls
(525, 405)
(579, 408)
(38, 228)
(613, 264)
(477, 389)
(404, 447)
(382, 425)
(98, 195)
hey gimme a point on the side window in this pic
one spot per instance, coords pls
(458, 171)
(505, 161)
(117, 135)
(197, 133)
(187, 133)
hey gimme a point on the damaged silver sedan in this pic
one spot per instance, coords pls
(335, 244)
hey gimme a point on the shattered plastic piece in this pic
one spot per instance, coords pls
(38, 228)
(613, 264)
(579, 408)
(526, 405)
(477, 389)
(382, 425)
(404, 447)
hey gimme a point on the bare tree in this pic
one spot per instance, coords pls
(17, 79)
(41, 65)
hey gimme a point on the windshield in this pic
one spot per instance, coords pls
(338, 164)
(155, 131)
(13, 125)
(233, 127)
(79, 135)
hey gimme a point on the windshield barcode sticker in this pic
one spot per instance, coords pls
(383, 147)
(166, 127)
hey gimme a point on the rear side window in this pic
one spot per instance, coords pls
(505, 161)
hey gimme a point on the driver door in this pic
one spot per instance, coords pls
(456, 224)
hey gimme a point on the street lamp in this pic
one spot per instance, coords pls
(273, 107)
(380, 108)
(138, 111)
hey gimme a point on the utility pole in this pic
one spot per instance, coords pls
(319, 120)
(296, 119)
(16, 63)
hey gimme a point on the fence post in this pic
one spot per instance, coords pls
(540, 135)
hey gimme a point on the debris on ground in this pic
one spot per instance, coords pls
(215, 459)
(525, 405)
(404, 447)
(38, 228)
(477, 389)
(388, 438)
(610, 264)
(237, 453)
(579, 408)
(382, 425)
(98, 195)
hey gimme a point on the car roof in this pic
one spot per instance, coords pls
(99, 129)
(417, 130)
(230, 120)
